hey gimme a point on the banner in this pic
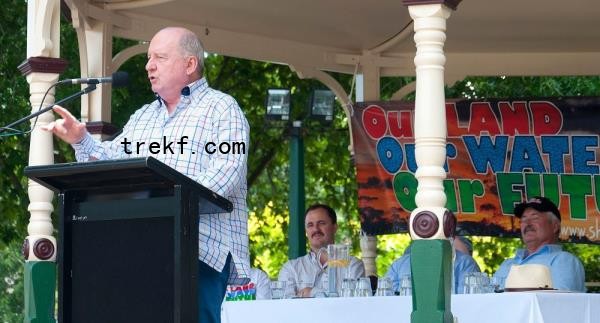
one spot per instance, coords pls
(499, 153)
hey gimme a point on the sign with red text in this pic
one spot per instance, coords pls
(498, 153)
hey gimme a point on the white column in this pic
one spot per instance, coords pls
(430, 223)
(41, 152)
(43, 40)
(430, 113)
(95, 48)
(370, 84)
(368, 247)
(371, 77)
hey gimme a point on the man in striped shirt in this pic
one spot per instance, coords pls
(201, 133)
(306, 275)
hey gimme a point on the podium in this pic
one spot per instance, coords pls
(127, 240)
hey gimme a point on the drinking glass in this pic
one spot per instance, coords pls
(485, 282)
(278, 289)
(476, 283)
(384, 287)
(405, 285)
(470, 283)
(290, 290)
(348, 287)
(322, 291)
(301, 286)
(496, 284)
(363, 287)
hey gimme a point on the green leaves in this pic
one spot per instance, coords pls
(524, 87)
(11, 283)
(14, 103)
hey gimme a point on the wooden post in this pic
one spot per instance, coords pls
(430, 223)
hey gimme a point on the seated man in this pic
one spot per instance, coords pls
(309, 272)
(463, 264)
(540, 228)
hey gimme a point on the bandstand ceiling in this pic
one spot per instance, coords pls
(484, 37)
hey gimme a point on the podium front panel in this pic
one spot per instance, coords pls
(120, 257)
(125, 275)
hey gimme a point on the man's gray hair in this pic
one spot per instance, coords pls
(191, 45)
(553, 219)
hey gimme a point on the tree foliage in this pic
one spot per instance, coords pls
(14, 103)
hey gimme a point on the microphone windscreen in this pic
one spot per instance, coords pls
(120, 79)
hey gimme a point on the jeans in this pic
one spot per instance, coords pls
(211, 291)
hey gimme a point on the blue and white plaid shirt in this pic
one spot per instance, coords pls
(206, 120)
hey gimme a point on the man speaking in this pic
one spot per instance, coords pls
(186, 108)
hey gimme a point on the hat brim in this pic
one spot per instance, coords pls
(519, 209)
(527, 289)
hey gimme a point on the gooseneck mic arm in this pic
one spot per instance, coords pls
(87, 90)
(117, 79)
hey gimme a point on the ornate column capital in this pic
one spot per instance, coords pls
(101, 128)
(452, 4)
(41, 64)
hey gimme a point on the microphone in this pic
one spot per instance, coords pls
(118, 79)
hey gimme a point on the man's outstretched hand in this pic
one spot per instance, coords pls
(68, 128)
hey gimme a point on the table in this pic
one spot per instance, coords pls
(525, 307)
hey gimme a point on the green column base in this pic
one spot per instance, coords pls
(40, 287)
(431, 267)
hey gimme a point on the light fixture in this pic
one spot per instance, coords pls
(278, 104)
(322, 105)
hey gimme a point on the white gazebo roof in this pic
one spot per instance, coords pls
(484, 37)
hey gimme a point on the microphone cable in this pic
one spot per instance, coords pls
(118, 79)
(16, 132)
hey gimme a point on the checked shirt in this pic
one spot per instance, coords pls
(188, 140)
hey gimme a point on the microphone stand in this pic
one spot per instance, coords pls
(87, 90)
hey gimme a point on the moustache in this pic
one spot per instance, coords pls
(317, 233)
(528, 228)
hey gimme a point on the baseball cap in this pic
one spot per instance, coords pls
(539, 203)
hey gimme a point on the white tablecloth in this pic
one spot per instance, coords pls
(526, 307)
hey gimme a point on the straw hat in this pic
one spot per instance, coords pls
(528, 277)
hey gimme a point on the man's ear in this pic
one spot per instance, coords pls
(192, 65)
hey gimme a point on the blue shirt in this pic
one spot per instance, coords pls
(566, 269)
(205, 138)
(463, 264)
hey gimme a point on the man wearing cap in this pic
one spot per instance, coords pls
(540, 228)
